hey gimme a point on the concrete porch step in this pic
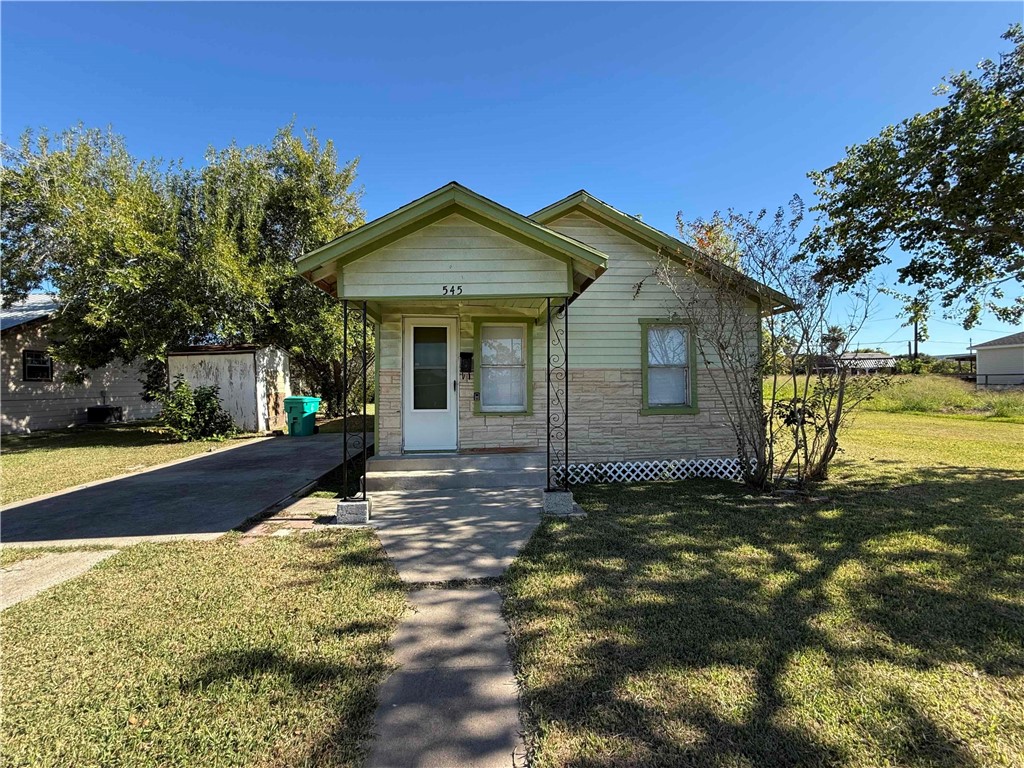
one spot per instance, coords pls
(426, 472)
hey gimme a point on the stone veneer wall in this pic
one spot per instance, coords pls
(604, 420)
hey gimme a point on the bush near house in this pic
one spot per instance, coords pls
(195, 414)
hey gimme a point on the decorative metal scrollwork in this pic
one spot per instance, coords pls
(558, 395)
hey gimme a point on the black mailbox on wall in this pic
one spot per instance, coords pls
(466, 364)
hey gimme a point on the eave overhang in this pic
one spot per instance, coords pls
(772, 301)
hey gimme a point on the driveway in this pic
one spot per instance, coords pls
(197, 499)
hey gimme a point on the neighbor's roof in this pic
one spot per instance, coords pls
(634, 228)
(1013, 340)
(216, 349)
(37, 306)
(868, 359)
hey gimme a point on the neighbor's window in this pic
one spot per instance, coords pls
(667, 384)
(503, 367)
(36, 366)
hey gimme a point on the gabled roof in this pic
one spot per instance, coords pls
(450, 199)
(645, 234)
(36, 306)
(1013, 340)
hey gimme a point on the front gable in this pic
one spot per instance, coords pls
(452, 244)
(455, 257)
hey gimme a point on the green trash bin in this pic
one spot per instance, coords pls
(301, 415)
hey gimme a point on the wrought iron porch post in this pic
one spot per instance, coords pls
(558, 398)
(362, 472)
(344, 401)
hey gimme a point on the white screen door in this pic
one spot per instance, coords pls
(430, 408)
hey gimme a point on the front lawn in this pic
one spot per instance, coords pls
(879, 624)
(228, 653)
(45, 462)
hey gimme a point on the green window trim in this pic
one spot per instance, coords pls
(478, 324)
(646, 408)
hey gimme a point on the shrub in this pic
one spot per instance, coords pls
(195, 414)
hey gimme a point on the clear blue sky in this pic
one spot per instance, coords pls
(653, 107)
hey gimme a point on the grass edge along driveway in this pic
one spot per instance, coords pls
(694, 624)
(225, 653)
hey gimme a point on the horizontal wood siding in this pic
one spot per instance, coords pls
(604, 331)
(454, 251)
(37, 405)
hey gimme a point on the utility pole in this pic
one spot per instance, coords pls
(915, 338)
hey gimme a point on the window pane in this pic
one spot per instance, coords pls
(666, 386)
(666, 345)
(503, 387)
(430, 347)
(429, 368)
(502, 345)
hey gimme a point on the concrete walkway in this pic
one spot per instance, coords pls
(443, 535)
(28, 578)
(454, 702)
(198, 499)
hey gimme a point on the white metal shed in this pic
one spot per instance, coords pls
(253, 381)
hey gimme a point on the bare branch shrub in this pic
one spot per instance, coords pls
(768, 337)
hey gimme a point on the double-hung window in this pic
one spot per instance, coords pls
(36, 366)
(667, 368)
(503, 366)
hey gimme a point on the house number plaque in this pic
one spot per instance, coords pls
(451, 290)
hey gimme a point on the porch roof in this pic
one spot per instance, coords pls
(324, 265)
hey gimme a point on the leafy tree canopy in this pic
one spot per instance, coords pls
(146, 256)
(947, 187)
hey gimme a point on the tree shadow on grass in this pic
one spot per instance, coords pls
(671, 581)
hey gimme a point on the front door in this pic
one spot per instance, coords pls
(430, 397)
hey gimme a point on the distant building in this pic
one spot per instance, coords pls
(1001, 361)
(35, 397)
(868, 362)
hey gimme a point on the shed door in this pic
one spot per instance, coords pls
(430, 402)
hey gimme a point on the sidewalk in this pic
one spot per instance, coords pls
(454, 702)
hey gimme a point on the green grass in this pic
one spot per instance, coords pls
(204, 654)
(52, 461)
(879, 624)
(940, 395)
(13, 555)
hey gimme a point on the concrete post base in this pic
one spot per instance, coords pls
(561, 504)
(353, 511)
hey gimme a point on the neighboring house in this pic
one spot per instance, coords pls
(1001, 361)
(35, 397)
(252, 381)
(868, 362)
(459, 289)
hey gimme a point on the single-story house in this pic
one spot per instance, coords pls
(498, 332)
(34, 395)
(1001, 361)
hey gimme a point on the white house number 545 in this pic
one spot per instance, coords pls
(451, 290)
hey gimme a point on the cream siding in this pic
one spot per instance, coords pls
(603, 323)
(605, 423)
(40, 405)
(454, 252)
(1000, 365)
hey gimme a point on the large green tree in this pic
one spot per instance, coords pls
(146, 256)
(947, 187)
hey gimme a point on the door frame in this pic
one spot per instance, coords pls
(451, 322)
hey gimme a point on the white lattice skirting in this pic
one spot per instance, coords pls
(641, 471)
